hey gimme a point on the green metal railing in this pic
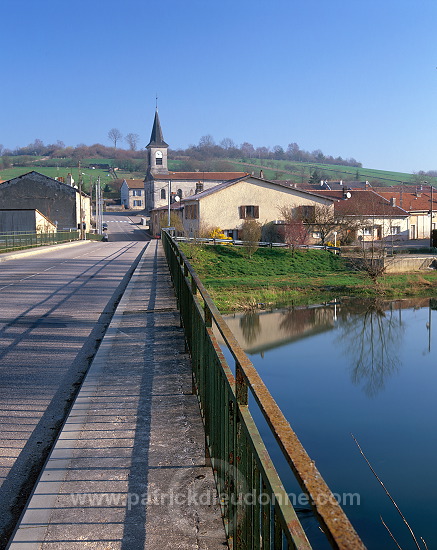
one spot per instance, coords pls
(256, 509)
(19, 241)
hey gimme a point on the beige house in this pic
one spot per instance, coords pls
(372, 216)
(419, 203)
(132, 194)
(229, 204)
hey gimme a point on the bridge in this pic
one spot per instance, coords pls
(160, 449)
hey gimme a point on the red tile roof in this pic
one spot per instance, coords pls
(413, 202)
(363, 203)
(135, 184)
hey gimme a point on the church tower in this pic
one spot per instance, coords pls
(157, 150)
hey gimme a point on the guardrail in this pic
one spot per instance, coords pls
(18, 241)
(256, 509)
(261, 244)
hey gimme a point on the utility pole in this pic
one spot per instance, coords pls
(169, 200)
(81, 234)
(98, 206)
(430, 219)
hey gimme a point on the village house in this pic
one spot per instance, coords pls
(368, 215)
(132, 194)
(419, 202)
(59, 202)
(230, 203)
(161, 185)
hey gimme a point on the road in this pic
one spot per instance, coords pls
(54, 309)
(122, 225)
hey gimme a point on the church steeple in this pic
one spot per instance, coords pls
(157, 148)
(156, 138)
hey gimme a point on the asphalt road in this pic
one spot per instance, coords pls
(122, 225)
(54, 309)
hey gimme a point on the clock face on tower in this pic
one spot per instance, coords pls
(158, 158)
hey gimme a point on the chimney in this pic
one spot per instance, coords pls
(70, 180)
(261, 174)
(393, 201)
(199, 187)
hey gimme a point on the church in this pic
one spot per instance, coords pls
(160, 183)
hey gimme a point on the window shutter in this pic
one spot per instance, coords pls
(242, 212)
(256, 211)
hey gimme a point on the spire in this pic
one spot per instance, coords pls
(157, 139)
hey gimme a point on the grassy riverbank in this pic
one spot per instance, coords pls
(277, 277)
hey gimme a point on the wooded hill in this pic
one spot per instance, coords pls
(293, 164)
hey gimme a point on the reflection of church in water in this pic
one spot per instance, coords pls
(159, 181)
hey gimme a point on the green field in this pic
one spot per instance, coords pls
(89, 176)
(300, 172)
(278, 277)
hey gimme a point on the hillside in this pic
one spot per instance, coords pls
(300, 172)
(295, 172)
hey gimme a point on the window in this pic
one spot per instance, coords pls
(137, 192)
(317, 235)
(249, 212)
(191, 212)
(367, 230)
(138, 203)
(163, 194)
(395, 229)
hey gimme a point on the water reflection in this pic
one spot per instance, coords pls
(369, 333)
(250, 327)
(370, 339)
(366, 367)
(258, 332)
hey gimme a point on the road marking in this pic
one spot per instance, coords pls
(57, 265)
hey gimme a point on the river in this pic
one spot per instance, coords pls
(366, 368)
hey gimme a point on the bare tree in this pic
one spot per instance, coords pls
(132, 141)
(227, 143)
(115, 136)
(206, 141)
(320, 219)
(370, 258)
(250, 233)
(293, 231)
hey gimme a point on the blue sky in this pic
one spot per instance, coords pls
(352, 78)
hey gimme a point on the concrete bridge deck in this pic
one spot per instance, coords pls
(128, 469)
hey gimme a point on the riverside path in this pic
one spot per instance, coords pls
(128, 469)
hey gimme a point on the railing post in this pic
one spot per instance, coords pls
(240, 454)
(208, 317)
(241, 385)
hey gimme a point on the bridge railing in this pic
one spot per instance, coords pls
(256, 509)
(21, 240)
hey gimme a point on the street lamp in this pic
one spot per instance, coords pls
(430, 217)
